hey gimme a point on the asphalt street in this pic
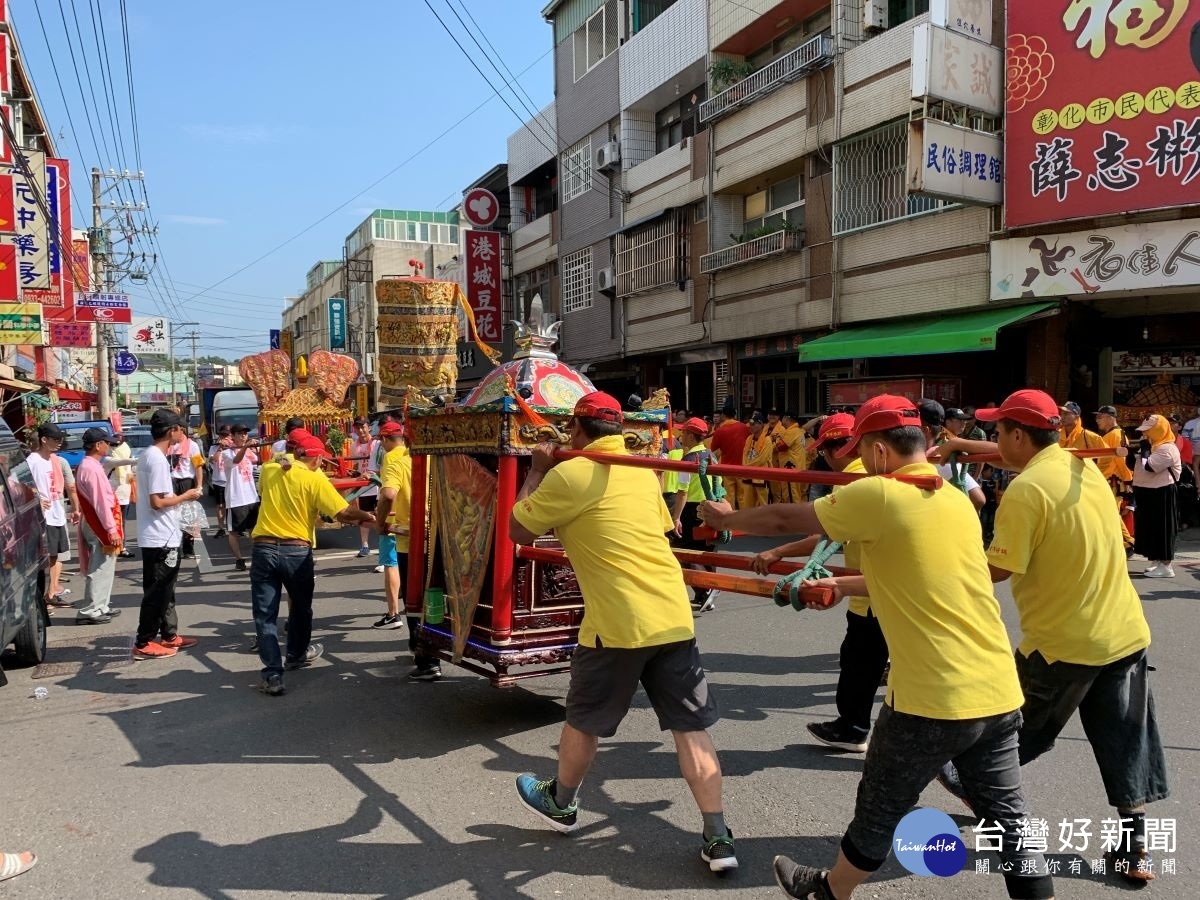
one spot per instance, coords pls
(176, 778)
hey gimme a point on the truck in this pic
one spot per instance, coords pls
(226, 406)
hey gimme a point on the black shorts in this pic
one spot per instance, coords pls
(368, 504)
(604, 680)
(241, 519)
(58, 540)
(218, 491)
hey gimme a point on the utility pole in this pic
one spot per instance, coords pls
(195, 335)
(99, 249)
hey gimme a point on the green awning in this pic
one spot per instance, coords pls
(952, 333)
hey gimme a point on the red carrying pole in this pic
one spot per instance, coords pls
(807, 476)
(502, 557)
(1089, 453)
(734, 561)
(414, 580)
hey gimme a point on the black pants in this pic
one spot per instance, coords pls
(864, 655)
(182, 486)
(160, 567)
(690, 519)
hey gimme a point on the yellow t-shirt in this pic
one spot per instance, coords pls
(792, 437)
(670, 480)
(922, 554)
(690, 481)
(612, 522)
(1057, 533)
(291, 501)
(1115, 466)
(396, 473)
(860, 606)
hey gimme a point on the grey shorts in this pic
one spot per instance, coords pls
(1116, 709)
(58, 540)
(604, 680)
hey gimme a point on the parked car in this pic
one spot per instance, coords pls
(138, 438)
(23, 613)
(72, 448)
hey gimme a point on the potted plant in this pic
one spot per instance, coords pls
(726, 72)
(336, 439)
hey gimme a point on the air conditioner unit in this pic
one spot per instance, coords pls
(608, 156)
(606, 280)
(875, 14)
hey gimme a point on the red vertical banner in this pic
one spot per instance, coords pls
(5, 59)
(8, 273)
(484, 285)
(60, 303)
(6, 150)
(80, 271)
(8, 204)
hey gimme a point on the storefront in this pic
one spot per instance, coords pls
(771, 376)
(71, 406)
(698, 380)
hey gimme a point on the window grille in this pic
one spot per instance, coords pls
(577, 281)
(577, 170)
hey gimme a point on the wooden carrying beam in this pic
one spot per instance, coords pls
(1099, 453)
(738, 584)
(807, 476)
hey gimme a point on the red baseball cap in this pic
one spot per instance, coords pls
(297, 436)
(598, 405)
(312, 447)
(834, 428)
(1034, 408)
(881, 413)
(695, 425)
(388, 429)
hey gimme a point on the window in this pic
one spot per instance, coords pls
(869, 177)
(780, 205)
(595, 39)
(900, 11)
(577, 281)
(677, 121)
(577, 170)
(654, 254)
(410, 231)
(643, 12)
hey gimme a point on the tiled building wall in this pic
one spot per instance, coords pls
(637, 137)
(530, 147)
(662, 49)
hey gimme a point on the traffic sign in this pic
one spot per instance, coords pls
(481, 207)
(125, 363)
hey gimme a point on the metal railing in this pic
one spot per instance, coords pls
(749, 251)
(808, 57)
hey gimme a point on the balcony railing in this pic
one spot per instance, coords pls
(808, 57)
(749, 251)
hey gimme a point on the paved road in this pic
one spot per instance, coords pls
(176, 779)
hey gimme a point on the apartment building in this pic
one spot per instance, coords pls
(533, 208)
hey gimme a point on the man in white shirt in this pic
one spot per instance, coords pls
(241, 494)
(223, 442)
(159, 537)
(933, 423)
(281, 446)
(187, 472)
(50, 476)
(367, 454)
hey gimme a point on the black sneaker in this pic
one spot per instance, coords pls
(314, 651)
(390, 622)
(254, 644)
(425, 673)
(101, 619)
(272, 686)
(839, 735)
(240, 565)
(801, 881)
(220, 533)
(718, 853)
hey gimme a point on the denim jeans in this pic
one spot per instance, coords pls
(160, 568)
(273, 568)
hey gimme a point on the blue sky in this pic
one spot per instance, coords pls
(259, 119)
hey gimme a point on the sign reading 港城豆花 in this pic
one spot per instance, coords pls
(483, 283)
(1143, 259)
(1102, 112)
(947, 65)
(954, 163)
(337, 323)
(107, 309)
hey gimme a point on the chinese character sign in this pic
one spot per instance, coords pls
(948, 65)
(484, 287)
(954, 163)
(973, 17)
(1102, 109)
(63, 334)
(1137, 258)
(58, 302)
(150, 334)
(109, 309)
(337, 323)
(31, 230)
(21, 323)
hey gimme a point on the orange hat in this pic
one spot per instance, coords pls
(696, 426)
(834, 428)
(1034, 408)
(881, 413)
(598, 405)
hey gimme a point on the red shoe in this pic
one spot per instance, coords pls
(153, 650)
(179, 642)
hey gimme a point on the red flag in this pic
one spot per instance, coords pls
(8, 274)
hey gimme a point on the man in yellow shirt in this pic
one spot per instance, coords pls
(953, 694)
(293, 495)
(688, 497)
(636, 623)
(393, 510)
(789, 454)
(864, 652)
(752, 492)
(1116, 468)
(1084, 635)
(1072, 436)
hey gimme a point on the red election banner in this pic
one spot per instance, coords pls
(483, 283)
(72, 334)
(1102, 109)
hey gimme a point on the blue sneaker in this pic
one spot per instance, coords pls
(538, 798)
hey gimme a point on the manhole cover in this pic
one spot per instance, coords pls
(87, 653)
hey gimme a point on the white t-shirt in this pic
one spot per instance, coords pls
(156, 527)
(369, 464)
(50, 484)
(187, 450)
(947, 475)
(239, 479)
(280, 446)
(1191, 431)
(218, 468)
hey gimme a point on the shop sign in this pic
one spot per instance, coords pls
(150, 334)
(21, 324)
(954, 163)
(109, 309)
(950, 66)
(856, 393)
(1169, 361)
(58, 301)
(483, 284)
(31, 229)
(71, 334)
(775, 346)
(749, 390)
(273, 337)
(337, 323)
(1102, 109)
(970, 17)
(1142, 258)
